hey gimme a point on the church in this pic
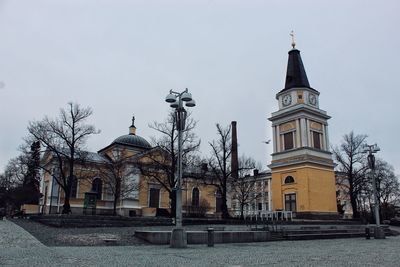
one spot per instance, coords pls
(138, 194)
(301, 177)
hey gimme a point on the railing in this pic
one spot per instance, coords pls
(281, 215)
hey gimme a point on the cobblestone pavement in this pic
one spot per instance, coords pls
(19, 248)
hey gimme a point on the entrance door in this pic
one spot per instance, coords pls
(154, 198)
(290, 202)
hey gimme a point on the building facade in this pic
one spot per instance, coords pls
(139, 195)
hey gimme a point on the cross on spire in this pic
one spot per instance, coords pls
(133, 120)
(293, 43)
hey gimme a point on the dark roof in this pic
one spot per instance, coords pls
(296, 74)
(132, 140)
(95, 157)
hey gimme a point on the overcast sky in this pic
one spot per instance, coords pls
(122, 57)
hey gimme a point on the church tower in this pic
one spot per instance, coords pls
(303, 178)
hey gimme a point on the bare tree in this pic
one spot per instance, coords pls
(161, 163)
(351, 161)
(220, 165)
(243, 187)
(20, 181)
(16, 170)
(63, 139)
(117, 175)
(388, 188)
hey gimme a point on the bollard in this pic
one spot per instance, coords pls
(367, 233)
(210, 240)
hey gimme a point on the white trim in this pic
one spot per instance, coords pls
(303, 132)
(327, 137)
(308, 133)
(274, 138)
(323, 141)
(302, 167)
(298, 144)
(269, 194)
(278, 141)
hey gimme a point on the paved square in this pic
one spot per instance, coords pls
(19, 248)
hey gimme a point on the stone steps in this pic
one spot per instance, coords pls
(78, 221)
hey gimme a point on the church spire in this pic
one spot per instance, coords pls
(296, 74)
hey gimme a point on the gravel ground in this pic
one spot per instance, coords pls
(95, 236)
(19, 248)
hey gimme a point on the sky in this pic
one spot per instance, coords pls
(122, 57)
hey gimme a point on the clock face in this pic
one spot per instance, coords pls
(313, 99)
(286, 100)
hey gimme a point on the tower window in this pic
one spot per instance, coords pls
(289, 180)
(288, 140)
(317, 140)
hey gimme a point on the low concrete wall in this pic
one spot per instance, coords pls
(200, 237)
(30, 208)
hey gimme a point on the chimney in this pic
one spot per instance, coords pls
(255, 172)
(204, 167)
(234, 152)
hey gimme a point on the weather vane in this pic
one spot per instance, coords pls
(293, 43)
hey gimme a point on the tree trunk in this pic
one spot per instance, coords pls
(353, 198)
(224, 207)
(115, 205)
(66, 206)
(241, 211)
(117, 195)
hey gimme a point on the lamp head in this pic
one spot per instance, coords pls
(170, 98)
(191, 103)
(186, 96)
(375, 148)
(174, 104)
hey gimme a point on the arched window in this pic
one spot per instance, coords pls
(97, 186)
(289, 179)
(195, 197)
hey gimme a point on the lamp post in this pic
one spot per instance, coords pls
(371, 149)
(176, 99)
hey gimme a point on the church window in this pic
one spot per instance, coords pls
(195, 197)
(290, 202)
(97, 186)
(317, 139)
(289, 179)
(154, 198)
(288, 140)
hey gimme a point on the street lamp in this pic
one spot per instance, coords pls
(371, 149)
(176, 99)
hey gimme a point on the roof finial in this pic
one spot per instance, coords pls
(293, 43)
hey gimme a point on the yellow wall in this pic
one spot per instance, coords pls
(314, 187)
